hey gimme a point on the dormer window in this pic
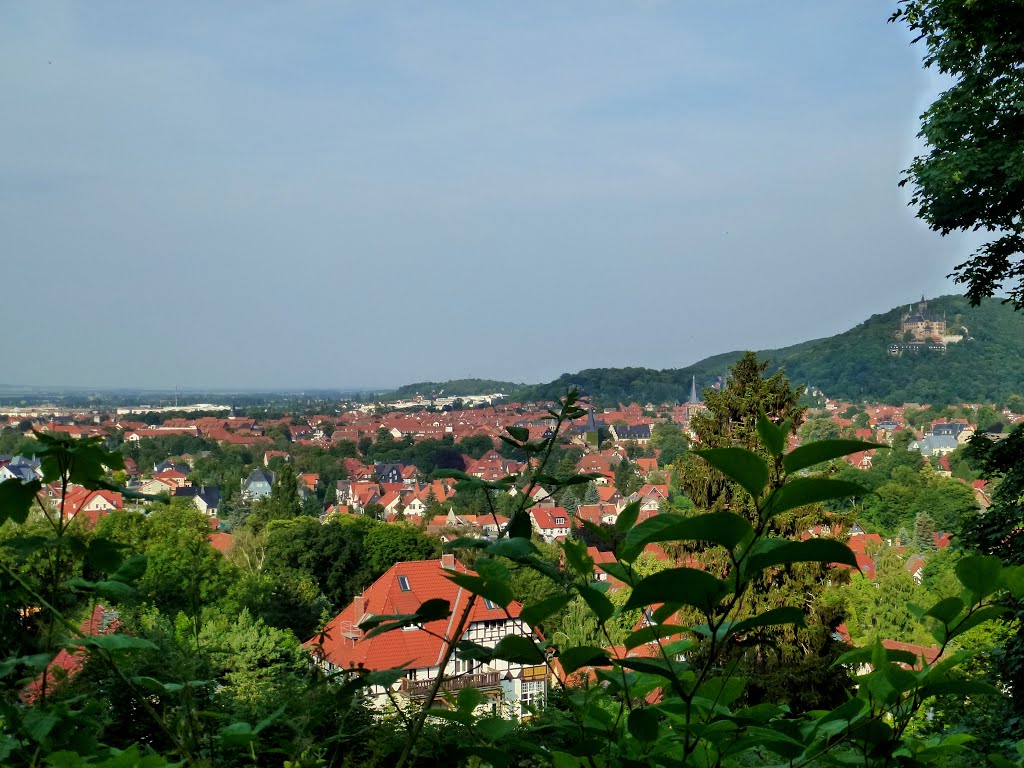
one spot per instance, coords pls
(560, 521)
(403, 584)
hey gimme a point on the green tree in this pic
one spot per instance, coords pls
(387, 544)
(668, 438)
(972, 176)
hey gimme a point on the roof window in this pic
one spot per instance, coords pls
(403, 584)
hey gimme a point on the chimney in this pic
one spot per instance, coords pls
(448, 561)
(359, 608)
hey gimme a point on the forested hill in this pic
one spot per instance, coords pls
(454, 388)
(854, 365)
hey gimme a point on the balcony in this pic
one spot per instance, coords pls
(415, 688)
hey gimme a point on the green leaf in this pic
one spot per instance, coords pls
(627, 517)
(518, 649)
(474, 651)
(1013, 580)
(130, 570)
(738, 464)
(520, 527)
(723, 690)
(519, 434)
(39, 723)
(433, 610)
(16, 498)
(577, 558)
(651, 633)
(765, 555)
(823, 450)
(980, 616)
(946, 610)
(494, 728)
(536, 613)
(115, 590)
(598, 603)
(770, 618)
(643, 725)
(687, 586)
(982, 574)
(496, 591)
(105, 555)
(803, 491)
(572, 659)
(960, 688)
(115, 642)
(513, 549)
(469, 699)
(237, 734)
(772, 436)
(726, 529)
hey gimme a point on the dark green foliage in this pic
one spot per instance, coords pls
(854, 365)
(972, 177)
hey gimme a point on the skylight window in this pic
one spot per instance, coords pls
(403, 584)
(490, 606)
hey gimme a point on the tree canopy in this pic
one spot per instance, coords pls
(972, 175)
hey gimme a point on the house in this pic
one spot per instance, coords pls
(388, 473)
(92, 504)
(509, 688)
(934, 445)
(157, 486)
(637, 433)
(205, 497)
(258, 484)
(551, 522)
(268, 455)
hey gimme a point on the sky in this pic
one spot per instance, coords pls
(319, 194)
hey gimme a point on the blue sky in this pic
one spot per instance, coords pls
(352, 194)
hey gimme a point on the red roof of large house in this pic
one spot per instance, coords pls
(402, 589)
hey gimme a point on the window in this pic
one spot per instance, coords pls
(560, 521)
(410, 674)
(533, 693)
(403, 584)
(490, 606)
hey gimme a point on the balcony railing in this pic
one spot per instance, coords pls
(471, 680)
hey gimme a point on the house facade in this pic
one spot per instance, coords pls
(509, 688)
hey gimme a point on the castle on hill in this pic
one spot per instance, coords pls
(918, 324)
(924, 330)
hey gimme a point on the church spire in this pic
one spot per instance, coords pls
(693, 392)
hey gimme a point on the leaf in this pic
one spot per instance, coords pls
(1013, 578)
(536, 613)
(773, 437)
(520, 434)
(114, 590)
(513, 549)
(469, 699)
(980, 616)
(105, 555)
(946, 610)
(745, 467)
(577, 558)
(572, 659)
(433, 610)
(982, 574)
(770, 618)
(38, 724)
(726, 529)
(810, 551)
(495, 728)
(130, 570)
(598, 603)
(687, 586)
(651, 633)
(643, 725)
(960, 688)
(803, 491)
(115, 642)
(823, 450)
(627, 517)
(518, 649)
(237, 734)
(16, 498)
(496, 591)
(723, 690)
(519, 527)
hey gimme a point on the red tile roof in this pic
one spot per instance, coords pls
(341, 642)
